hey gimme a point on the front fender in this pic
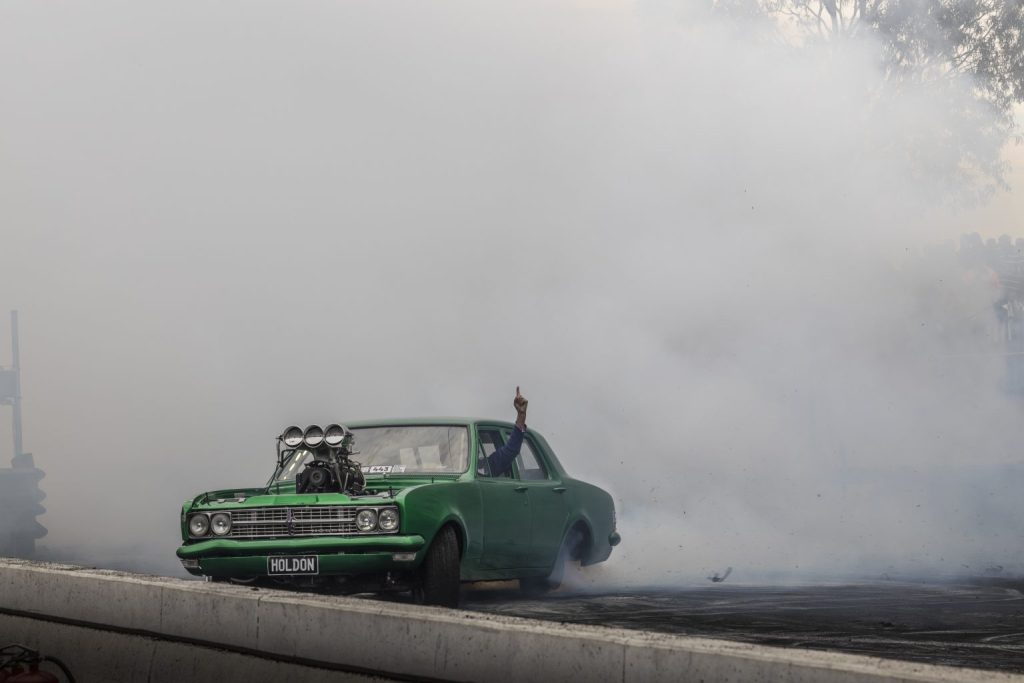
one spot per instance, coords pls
(428, 508)
(185, 508)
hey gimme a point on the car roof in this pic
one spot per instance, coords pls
(455, 421)
(424, 421)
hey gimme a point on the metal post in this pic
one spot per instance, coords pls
(17, 384)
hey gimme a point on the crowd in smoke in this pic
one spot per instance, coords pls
(997, 266)
(1003, 257)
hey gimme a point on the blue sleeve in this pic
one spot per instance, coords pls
(501, 459)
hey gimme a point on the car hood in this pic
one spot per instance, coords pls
(384, 490)
(254, 498)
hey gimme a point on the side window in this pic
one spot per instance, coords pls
(530, 467)
(490, 441)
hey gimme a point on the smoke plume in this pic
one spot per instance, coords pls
(698, 251)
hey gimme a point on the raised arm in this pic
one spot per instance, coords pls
(501, 459)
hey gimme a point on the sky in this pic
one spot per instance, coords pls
(693, 250)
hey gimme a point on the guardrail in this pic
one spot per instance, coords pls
(403, 641)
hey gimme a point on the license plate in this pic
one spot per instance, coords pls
(303, 565)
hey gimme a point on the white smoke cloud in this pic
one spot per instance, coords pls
(690, 247)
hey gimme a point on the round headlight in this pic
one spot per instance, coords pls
(388, 519)
(314, 436)
(198, 525)
(334, 435)
(220, 523)
(366, 520)
(292, 437)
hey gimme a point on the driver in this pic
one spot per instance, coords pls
(501, 459)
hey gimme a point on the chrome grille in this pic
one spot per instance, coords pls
(312, 520)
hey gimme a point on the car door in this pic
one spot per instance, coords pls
(548, 507)
(505, 505)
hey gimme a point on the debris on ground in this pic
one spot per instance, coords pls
(716, 578)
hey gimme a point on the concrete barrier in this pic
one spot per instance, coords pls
(404, 641)
(112, 657)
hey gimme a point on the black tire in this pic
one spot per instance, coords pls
(570, 551)
(241, 580)
(438, 579)
(538, 585)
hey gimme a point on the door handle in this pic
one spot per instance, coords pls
(520, 488)
(559, 489)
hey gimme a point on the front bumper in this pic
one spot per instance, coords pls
(339, 555)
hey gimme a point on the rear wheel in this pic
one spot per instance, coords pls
(438, 579)
(569, 555)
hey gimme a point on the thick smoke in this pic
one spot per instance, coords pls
(695, 250)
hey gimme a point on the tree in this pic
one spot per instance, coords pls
(963, 46)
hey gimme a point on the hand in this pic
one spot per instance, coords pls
(520, 403)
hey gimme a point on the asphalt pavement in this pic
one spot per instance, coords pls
(977, 624)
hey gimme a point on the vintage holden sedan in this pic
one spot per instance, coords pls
(401, 505)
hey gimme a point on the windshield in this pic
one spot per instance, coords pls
(397, 450)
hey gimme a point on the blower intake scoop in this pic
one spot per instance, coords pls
(328, 469)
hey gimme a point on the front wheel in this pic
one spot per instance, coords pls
(438, 578)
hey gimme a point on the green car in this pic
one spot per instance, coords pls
(401, 505)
